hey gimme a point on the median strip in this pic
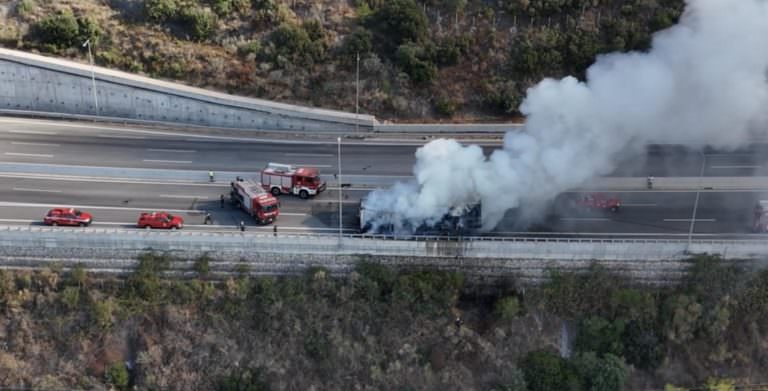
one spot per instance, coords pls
(36, 190)
(168, 161)
(29, 154)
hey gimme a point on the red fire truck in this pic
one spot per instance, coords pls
(761, 217)
(251, 197)
(286, 179)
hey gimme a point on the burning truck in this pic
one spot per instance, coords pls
(457, 221)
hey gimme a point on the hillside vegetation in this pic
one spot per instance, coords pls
(456, 60)
(380, 329)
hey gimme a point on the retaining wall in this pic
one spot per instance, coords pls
(115, 250)
(42, 84)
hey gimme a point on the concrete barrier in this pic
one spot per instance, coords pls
(115, 250)
(36, 83)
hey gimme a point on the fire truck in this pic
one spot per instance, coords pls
(761, 217)
(251, 197)
(286, 179)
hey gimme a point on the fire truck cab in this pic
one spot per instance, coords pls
(251, 197)
(760, 224)
(286, 179)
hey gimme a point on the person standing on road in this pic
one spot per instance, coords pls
(208, 219)
(222, 201)
(242, 226)
(650, 181)
(210, 175)
(274, 230)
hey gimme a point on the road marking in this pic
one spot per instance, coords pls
(689, 220)
(293, 214)
(310, 154)
(183, 196)
(312, 165)
(32, 132)
(171, 150)
(29, 154)
(734, 167)
(35, 144)
(334, 201)
(34, 205)
(36, 190)
(584, 219)
(167, 161)
(119, 137)
(638, 205)
(127, 181)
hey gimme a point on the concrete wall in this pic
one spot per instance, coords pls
(40, 84)
(115, 250)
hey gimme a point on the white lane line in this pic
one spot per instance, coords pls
(689, 220)
(333, 202)
(638, 205)
(171, 150)
(584, 219)
(36, 190)
(127, 181)
(293, 214)
(167, 161)
(183, 196)
(118, 137)
(34, 205)
(33, 132)
(35, 144)
(310, 154)
(733, 167)
(29, 154)
(312, 165)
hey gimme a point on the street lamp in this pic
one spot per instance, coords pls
(338, 142)
(357, 91)
(93, 74)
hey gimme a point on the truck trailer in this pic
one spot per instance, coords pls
(251, 197)
(286, 179)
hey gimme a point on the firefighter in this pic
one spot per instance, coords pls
(650, 181)
(222, 201)
(274, 230)
(210, 175)
(208, 219)
(242, 226)
(458, 322)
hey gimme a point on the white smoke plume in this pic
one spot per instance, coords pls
(703, 81)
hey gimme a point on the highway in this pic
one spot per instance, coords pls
(73, 159)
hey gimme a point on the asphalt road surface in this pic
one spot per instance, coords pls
(24, 199)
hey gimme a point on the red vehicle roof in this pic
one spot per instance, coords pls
(307, 171)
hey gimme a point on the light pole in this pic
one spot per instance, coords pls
(696, 202)
(93, 74)
(338, 142)
(357, 90)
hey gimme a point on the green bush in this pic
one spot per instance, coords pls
(415, 62)
(201, 22)
(70, 297)
(117, 375)
(317, 345)
(546, 371)
(60, 30)
(202, 266)
(428, 291)
(506, 308)
(600, 336)
(643, 347)
(161, 10)
(502, 97)
(251, 379)
(398, 22)
(146, 281)
(600, 374)
(25, 6)
(291, 43)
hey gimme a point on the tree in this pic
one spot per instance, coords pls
(546, 371)
(200, 21)
(250, 379)
(59, 30)
(683, 315)
(643, 347)
(607, 373)
(601, 336)
(398, 22)
(507, 308)
(413, 60)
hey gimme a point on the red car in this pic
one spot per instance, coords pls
(160, 220)
(67, 216)
(597, 201)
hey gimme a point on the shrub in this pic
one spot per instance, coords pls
(117, 375)
(60, 30)
(202, 266)
(502, 97)
(200, 22)
(446, 107)
(161, 10)
(317, 345)
(25, 6)
(251, 379)
(413, 60)
(546, 371)
(398, 22)
(249, 48)
(101, 312)
(70, 297)
(145, 283)
(507, 308)
(428, 291)
(600, 336)
(600, 374)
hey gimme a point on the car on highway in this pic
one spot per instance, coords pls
(596, 202)
(67, 216)
(164, 220)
